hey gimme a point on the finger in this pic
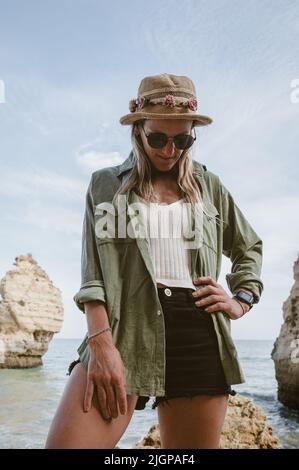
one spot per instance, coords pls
(205, 291)
(216, 307)
(121, 397)
(209, 300)
(111, 400)
(88, 394)
(206, 280)
(103, 405)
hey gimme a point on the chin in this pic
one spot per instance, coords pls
(163, 164)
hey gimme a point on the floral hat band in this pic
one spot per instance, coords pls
(165, 96)
(168, 100)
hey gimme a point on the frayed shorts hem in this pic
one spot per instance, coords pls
(142, 400)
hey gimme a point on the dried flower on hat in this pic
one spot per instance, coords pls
(192, 104)
(169, 100)
(141, 102)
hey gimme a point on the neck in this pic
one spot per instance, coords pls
(171, 175)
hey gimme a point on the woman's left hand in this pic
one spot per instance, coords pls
(217, 296)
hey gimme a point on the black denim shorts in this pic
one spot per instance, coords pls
(193, 365)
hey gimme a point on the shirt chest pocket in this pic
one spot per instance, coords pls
(110, 227)
(210, 226)
(116, 248)
(117, 254)
(120, 265)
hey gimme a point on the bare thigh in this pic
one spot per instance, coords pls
(192, 423)
(72, 428)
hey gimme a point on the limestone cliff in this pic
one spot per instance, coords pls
(31, 311)
(286, 348)
(245, 427)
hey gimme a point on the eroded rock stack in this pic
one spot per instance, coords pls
(286, 348)
(245, 427)
(31, 311)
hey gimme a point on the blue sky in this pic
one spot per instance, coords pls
(70, 68)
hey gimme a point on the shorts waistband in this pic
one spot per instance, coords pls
(178, 292)
(176, 289)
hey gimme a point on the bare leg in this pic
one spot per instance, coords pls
(72, 428)
(192, 423)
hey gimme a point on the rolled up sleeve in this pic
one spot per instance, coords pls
(243, 246)
(92, 285)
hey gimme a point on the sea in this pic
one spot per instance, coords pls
(29, 397)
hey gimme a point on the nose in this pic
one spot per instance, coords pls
(169, 148)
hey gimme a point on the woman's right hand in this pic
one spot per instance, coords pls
(106, 373)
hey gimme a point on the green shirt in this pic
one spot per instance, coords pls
(120, 272)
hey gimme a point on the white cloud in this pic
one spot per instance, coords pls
(90, 158)
(41, 183)
(48, 218)
(93, 160)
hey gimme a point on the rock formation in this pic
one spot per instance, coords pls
(286, 348)
(31, 311)
(245, 427)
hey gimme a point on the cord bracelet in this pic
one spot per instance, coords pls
(98, 333)
(244, 311)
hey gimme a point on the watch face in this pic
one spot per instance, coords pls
(244, 295)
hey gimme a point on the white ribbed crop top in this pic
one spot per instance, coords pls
(171, 257)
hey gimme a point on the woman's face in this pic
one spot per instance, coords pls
(165, 158)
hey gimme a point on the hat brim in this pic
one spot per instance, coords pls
(199, 120)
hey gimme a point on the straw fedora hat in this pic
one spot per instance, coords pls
(165, 96)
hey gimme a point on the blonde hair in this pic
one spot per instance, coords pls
(139, 178)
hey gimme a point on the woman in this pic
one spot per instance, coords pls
(158, 321)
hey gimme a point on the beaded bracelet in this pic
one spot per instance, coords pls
(98, 333)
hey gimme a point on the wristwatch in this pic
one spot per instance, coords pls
(245, 297)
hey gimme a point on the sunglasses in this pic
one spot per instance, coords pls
(158, 140)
